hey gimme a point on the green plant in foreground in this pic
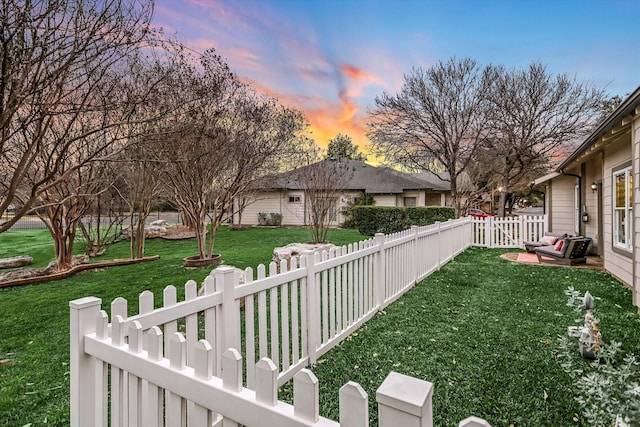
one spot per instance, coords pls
(608, 391)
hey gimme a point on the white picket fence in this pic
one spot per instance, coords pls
(182, 364)
(511, 232)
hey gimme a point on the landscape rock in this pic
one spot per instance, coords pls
(295, 249)
(159, 223)
(16, 261)
(238, 273)
(52, 268)
(21, 273)
(150, 231)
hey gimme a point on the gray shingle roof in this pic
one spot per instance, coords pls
(367, 178)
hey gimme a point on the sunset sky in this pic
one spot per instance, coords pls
(330, 58)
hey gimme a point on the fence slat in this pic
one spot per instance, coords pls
(354, 406)
(267, 382)
(176, 405)
(203, 369)
(152, 400)
(284, 321)
(191, 321)
(474, 422)
(170, 298)
(274, 329)
(305, 396)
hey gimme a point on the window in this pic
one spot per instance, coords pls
(409, 201)
(622, 212)
(294, 199)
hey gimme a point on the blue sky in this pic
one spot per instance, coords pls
(330, 58)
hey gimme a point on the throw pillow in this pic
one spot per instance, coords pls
(549, 240)
(558, 246)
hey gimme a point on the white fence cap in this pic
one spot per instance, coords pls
(404, 393)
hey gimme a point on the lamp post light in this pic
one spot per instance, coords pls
(499, 200)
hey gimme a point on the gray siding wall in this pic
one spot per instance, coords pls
(616, 262)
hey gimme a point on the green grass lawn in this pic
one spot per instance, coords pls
(34, 319)
(482, 329)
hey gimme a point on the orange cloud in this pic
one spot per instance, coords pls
(349, 109)
(356, 73)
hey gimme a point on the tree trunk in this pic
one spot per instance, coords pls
(212, 238)
(457, 198)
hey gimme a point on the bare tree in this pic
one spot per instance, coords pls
(55, 59)
(534, 115)
(323, 183)
(223, 140)
(437, 119)
(101, 224)
(108, 121)
(140, 190)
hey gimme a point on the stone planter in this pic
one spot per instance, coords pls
(196, 261)
(587, 351)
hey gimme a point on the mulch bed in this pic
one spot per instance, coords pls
(74, 270)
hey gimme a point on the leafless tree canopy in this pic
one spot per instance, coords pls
(223, 138)
(435, 119)
(323, 183)
(494, 126)
(534, 118)
(57, 87)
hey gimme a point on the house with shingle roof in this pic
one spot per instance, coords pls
(285, 193)
(594, 192)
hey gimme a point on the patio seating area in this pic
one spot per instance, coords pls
(591, 261)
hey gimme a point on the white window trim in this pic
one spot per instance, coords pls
(627, 245)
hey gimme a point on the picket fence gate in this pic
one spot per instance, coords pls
(182, 364)
(509, 232)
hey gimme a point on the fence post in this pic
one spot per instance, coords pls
(83, 314)
(414, 255)
(404, 401)
(229, 321)
(380, 273)
(313, 323)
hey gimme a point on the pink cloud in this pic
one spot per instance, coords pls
(201, 45)
(357, 73)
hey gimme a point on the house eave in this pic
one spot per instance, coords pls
(617, 123)
(545, 178)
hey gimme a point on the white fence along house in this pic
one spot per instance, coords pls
(182, 364)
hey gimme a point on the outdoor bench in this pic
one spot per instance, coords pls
(572, 251)
(549, 238)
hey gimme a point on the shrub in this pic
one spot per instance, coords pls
(382, 219)
(608, 389)
(270, 219)
(362, 199)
